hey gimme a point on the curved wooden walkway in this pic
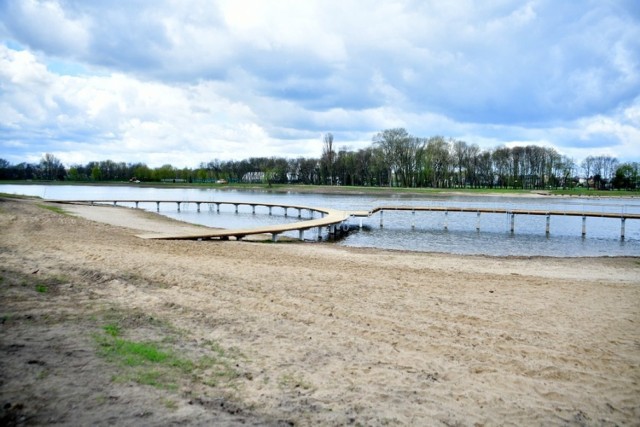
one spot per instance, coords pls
(332, 218)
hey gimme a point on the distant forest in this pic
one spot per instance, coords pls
(394, 159)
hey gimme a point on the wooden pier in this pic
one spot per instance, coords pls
(338, 221)
(511, 212)
(335, 220)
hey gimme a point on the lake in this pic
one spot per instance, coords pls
(424, 231)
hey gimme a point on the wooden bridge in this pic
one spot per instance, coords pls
(511, 212)
(337, 220)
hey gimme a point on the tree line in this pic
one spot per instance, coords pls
(394, 159)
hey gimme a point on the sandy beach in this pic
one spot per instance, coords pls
(302, 333)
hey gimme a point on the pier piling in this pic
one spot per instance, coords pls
(548, 228)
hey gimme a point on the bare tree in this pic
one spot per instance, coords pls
(328, 155)
(587, 168)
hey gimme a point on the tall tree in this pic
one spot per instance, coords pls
(51, 167)
(328, 156)
(396, 151)
(438, 162)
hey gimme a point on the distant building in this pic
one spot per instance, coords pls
(253, 177)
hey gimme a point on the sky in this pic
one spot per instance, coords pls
(189, 81)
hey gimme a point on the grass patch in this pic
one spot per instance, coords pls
(157, 364)
(17, 196)
(43, 289)
(112, 329)
(55, 209)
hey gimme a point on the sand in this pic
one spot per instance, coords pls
(308, 333)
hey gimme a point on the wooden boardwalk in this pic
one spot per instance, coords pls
(337, 220)
(334, 219)
(505, 211)
(622, 216)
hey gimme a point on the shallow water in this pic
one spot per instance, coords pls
(422, 231)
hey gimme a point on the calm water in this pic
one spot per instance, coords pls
(424, 231)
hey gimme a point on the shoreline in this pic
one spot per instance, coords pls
(342, 190)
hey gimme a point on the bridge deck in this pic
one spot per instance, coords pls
(331, 217)
(506, 211)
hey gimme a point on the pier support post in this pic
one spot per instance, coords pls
(381, 219)
(319, 233)
(198, 204)
(137, 205)
(584, 225)
(513, 222)
(270, 209)
(217, 207)
(478, 221)
(236, 205)
(360, 223)
(286, 211)
(301, 234)
(178, 203)
(548, 229)
(115, 203)
(446, 220)
(299, 213)
(413, 219)
(274, 237)
(157, 206)
(622, 220)
(253, 209)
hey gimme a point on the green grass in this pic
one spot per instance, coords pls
(16, 196)
(138, 353)
(55, 209)
(42, 288)
(112, 329)
(157, 364)
(583, 192)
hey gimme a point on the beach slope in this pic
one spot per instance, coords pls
(251, 333)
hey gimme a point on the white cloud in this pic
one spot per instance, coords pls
(187, 81)
(47, 26)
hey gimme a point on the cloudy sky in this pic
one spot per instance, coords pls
(182, 82)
